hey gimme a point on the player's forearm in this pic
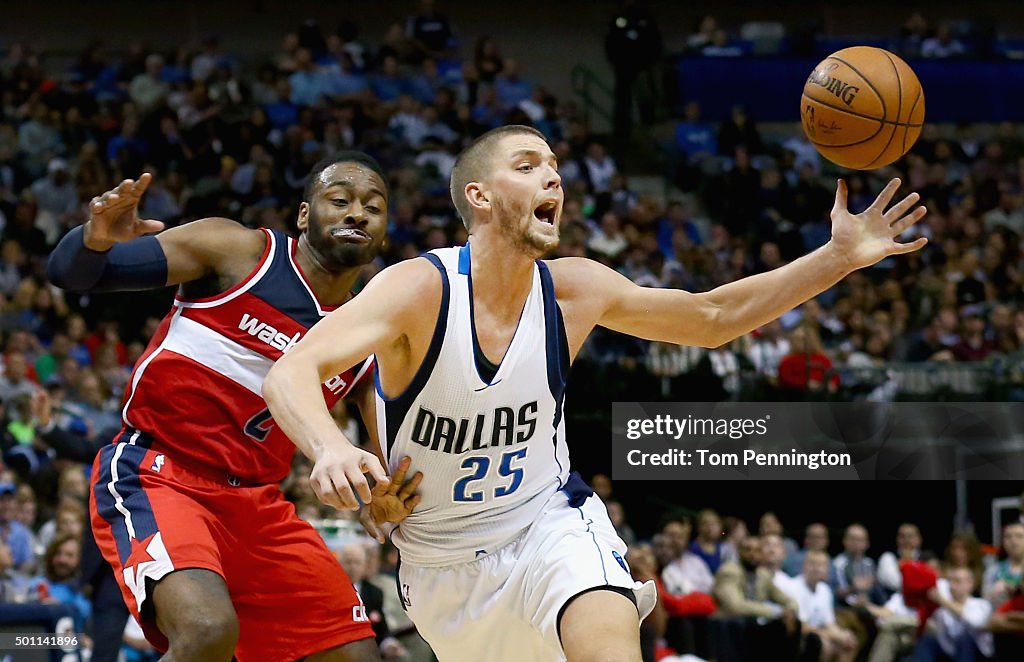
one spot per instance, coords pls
(742, 306)
(138, 264)
(296, 402)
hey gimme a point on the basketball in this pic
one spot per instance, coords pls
(862, 107)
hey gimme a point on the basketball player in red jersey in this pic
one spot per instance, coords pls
(186, 504)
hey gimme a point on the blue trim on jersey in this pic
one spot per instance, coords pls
(557, 349)
(464, 263)
(133, 496)
(556, 341)
(282, 288)
(577, 489)
(397, 408)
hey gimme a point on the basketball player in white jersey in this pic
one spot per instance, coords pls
(509, 556)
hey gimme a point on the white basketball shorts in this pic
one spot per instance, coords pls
(504, 606)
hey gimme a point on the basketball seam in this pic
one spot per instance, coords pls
(899, 109)
(911, 114)
(881, 127)
(885, 112)
(861, 115)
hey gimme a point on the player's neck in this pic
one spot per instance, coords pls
(502, 275)
(331, 287)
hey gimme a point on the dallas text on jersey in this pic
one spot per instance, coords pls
(503, 426)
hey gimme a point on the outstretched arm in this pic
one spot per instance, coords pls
(115, 249)
(713, 318)
(373, 322)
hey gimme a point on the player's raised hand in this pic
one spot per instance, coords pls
(392, 502)
(337, 477)
(863, 239)
(114, 216)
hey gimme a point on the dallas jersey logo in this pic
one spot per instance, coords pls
(504, 426)
(268, 334)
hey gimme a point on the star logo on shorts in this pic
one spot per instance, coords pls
(140, 552)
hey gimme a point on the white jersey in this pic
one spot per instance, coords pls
(492, 452)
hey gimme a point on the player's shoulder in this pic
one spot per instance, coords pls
(415, 281)
(576, 274)
(216, 232)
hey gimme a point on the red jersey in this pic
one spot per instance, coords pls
(197, 390)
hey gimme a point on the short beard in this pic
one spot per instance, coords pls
(510, 222)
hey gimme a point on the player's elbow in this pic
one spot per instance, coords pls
(710, 328)
(273, 383)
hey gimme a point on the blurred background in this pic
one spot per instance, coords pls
(684, 165)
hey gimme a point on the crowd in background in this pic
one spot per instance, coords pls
(223, 138)
(727, 592)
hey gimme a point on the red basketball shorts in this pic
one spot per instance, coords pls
(151, 517)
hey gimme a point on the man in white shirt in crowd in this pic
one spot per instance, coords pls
(816, 609)
(956, 630)
(773, 553)
(686, 572)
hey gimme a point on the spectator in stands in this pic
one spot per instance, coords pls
(720, 46)
(957, 630)
(767, 351)
(429, 30)
(855, 581)
(739, 130)
(13, 533)
(964, 551)
(770, 525)
(608, 240)
(682, 571)
(913, 34)
(353, 558)
(1003, 580)
(735, 530)
(943, 44)
(1007, 626)
(773, 553)
(973, 345)
(807, 367)
(148, 90)
(69, 519)
(708, 543)
(15, 382)
(703, 33)
(747, 589)
(695, 139)
(815, 608)
(617, 516)
(897, 627)
(511, 88)
(92, 404)
(908, 548)
(59, 583)
(56, 201)
(14, 585)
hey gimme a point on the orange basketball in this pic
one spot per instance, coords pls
(862, 107)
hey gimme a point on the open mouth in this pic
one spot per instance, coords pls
(350, 234)
(546, 212)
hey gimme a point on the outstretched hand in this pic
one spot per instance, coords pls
(114, 216)
(866, 238)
